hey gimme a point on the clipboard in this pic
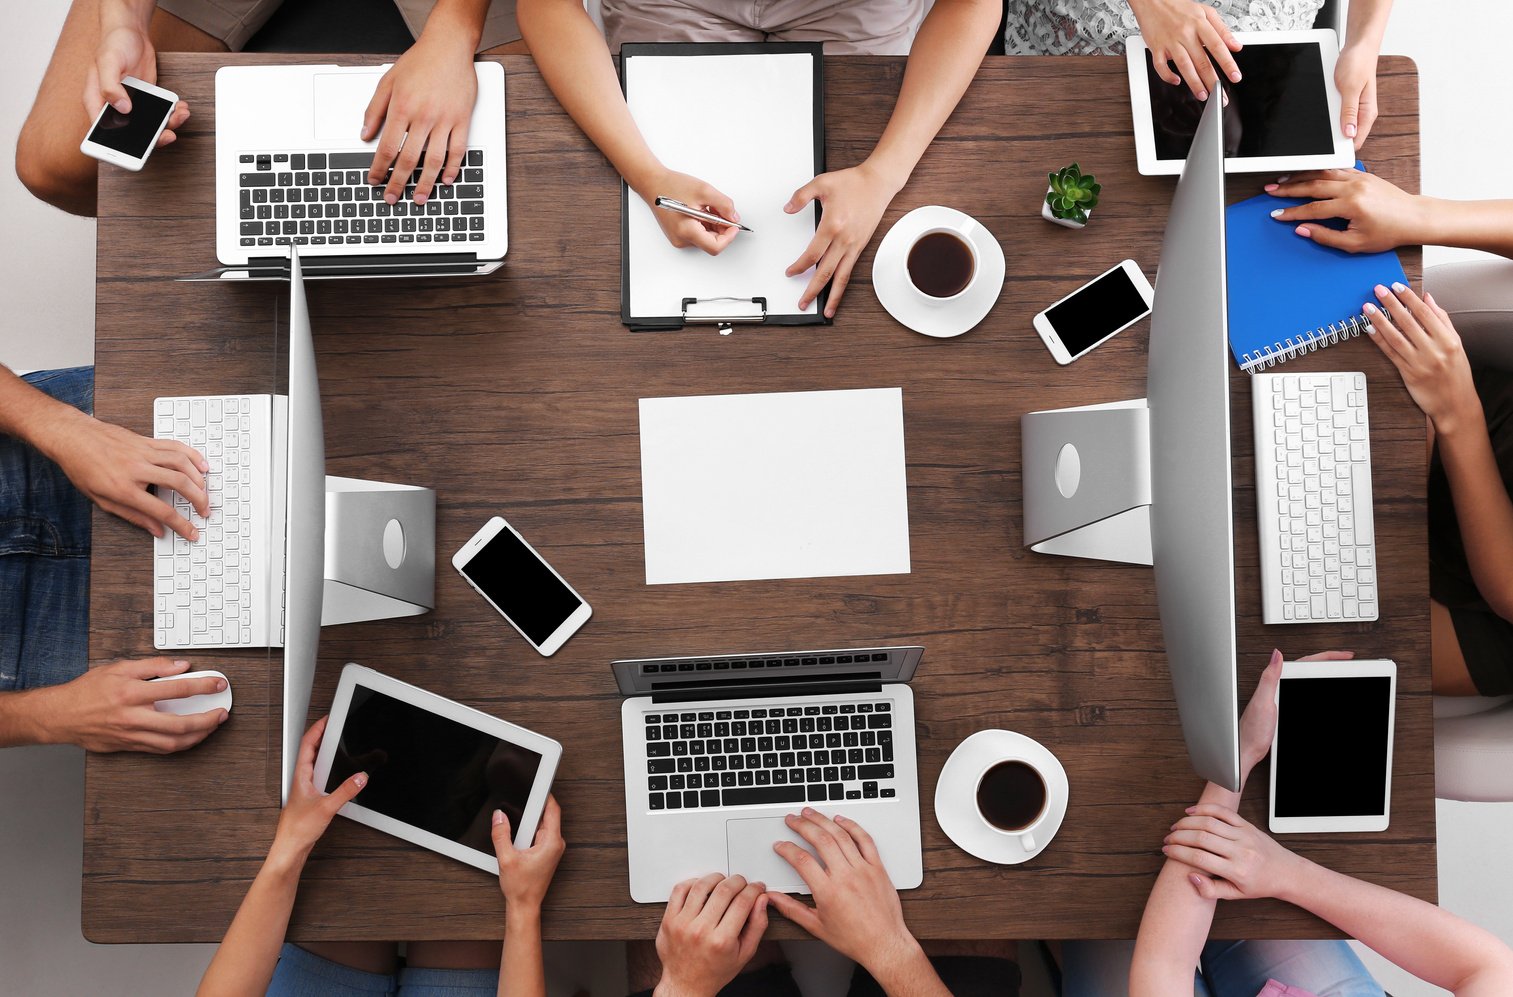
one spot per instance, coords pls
(713, 298)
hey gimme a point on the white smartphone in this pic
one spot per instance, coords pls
(1331, 755)
(518, 582)
(1095, 312)
(126, 140)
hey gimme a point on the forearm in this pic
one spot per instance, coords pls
(1483, 510)
(1432, 944)
(521, 973)
(460, 21)
(20, 718)
(575, 62)
(31, 415)
(245, 961)
(126, 14)
(1174, 927)
(1483, 225)
(942, 62)
(1367, 23)
(908, 974)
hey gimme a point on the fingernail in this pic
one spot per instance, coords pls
(220, 684)
(1399, 287)
(180, 663)
(194, 534)
(1234, 77)
(391, 198)
(1202, 94)
(1350, 131)
(1277, 213)
(1304, 231)
(808, 811)
(1195, 881)
(1163, 850)
(360, 780)
(1270, 187)
(420, 198)
(1381, 292)
(498, 817)
(1429, 297)
(1189, 810)
(223, 717)
(1284, 178)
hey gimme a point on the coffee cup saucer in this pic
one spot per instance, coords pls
(956, 796)
(941, 319)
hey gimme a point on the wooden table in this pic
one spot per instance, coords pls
(518, 394)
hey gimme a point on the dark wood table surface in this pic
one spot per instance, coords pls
(517, 394)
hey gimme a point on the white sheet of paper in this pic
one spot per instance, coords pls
(744, 124)
(801, 484)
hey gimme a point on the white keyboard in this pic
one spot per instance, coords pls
(1313, 497)
(214, 592)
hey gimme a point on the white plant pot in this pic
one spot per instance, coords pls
(1045, 212)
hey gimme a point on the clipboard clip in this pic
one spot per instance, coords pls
(724, 312)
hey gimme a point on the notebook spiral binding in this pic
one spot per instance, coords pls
(1292, 347)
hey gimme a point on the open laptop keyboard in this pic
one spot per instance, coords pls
(703, 759)
(324, 199)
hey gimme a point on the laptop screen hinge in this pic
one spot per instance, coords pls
(726, 690)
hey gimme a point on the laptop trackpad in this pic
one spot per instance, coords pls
(748, 845)
(340, 100)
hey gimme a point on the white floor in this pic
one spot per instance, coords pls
(47, 293)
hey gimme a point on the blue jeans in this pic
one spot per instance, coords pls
(44, 554)
(1227, 969)
(304, 974)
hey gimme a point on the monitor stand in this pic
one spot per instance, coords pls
(1087, 481)
(380, 551)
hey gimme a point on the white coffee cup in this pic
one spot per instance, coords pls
(1019, 798)
(961, 233)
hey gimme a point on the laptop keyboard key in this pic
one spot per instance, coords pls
(761, 795)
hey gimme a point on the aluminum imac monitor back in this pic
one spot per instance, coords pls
(305, 527)
(1192, 514)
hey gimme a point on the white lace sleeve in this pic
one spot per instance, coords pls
(1099, 27)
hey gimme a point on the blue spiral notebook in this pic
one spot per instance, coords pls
(1289, 295)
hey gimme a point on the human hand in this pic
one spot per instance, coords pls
(1259, 721)
(114, 467)
(1381, 216)
(711, 928)
(308, 811)
(1355, 75)
(1419, 339)
(854, 201)
(681, 230)
(125, 50)
(423, 103)
(525, 873)
(1235, 861)
(109, 708)
(1187, 34)
(856, 908)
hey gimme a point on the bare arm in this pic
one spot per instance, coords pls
(1483, 225)
(524, 876)
(1355, 72)
(521, 973)
(29, 414)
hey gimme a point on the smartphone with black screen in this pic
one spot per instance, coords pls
(517, 581)
(126, 140)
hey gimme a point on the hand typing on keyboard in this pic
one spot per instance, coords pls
(424, 102)
(711, 928)
(115, 467)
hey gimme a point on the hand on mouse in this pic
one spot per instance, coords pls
(856, 909)
(109, 708)
(309, 811)
(525, 873)
(711, 928)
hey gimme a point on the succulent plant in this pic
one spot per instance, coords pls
(1073, 194)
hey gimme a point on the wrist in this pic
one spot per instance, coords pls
(451, 34)
(20, 721)
(285, 861)
(897, 963)
(669, 987)
(1463, 420)
(645, 176)
(888, 172)
(521, 913)
(1297, 880)
(134, 14)
(48, 424)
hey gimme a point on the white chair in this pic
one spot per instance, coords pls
(1473, 736)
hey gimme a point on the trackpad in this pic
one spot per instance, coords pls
(749, 844)
(340, 102)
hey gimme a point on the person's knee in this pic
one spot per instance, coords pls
(64, 182)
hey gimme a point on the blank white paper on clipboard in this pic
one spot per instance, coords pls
(794, 484)
(744, 124)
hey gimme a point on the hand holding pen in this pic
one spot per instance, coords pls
(684, 229)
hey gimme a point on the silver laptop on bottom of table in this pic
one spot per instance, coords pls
(291, 169)
(719, 748)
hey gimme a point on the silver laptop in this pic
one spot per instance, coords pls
(291, 170)
(719, 748)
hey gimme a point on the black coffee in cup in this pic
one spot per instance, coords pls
(1011, 795)
(941, 264)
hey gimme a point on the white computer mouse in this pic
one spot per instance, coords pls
(195, 704)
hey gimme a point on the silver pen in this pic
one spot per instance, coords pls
(670, 204)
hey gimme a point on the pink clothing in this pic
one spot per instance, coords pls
(1275, 989)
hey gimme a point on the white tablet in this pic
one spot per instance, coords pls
(437, 770)
(1331, 756)
(1283, 115)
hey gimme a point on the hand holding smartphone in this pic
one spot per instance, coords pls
(526, 591)
(1095, 312)
(127, 139)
